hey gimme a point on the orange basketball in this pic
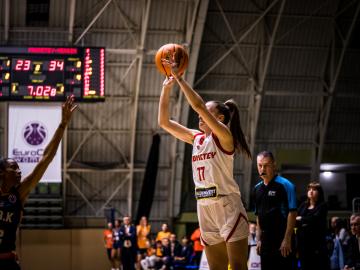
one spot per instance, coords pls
(166, 52)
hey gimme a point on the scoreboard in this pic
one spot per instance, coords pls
(52, 73)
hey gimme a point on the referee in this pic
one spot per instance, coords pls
(275, 208)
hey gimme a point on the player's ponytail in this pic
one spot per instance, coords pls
(235, 128)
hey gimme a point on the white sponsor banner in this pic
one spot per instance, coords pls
(254, 262)
(31, 127)
(203, 262)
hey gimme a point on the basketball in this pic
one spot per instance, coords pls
(166, 52)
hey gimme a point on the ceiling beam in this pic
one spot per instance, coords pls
(326, 109)
(129, 24)
(59, 30)
(121, 184)
(131, 51)
(233, 37)
(277, 46)
(94, 127)
(6, 20)
(193, 37)
(72, 7)
(135, 98)
(82, 195)
(272, 14)
(242, 37)
(92, 22)
(176, 164)
(278, 93)
(257, 87)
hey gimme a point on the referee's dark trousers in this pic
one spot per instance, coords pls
(270, 254)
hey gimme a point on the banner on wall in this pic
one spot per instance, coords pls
(254, 262)
(31, 127)
(203, 262)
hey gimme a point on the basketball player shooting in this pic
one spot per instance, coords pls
(14, 192)
(221, 214)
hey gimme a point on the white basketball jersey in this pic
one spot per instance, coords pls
(212, 166)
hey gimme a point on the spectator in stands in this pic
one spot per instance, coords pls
(340, 232)
(158, 247)
(185, 254)
(166, 253)
(276, 211)
(253, 258)
(336, 254)
(14, 192)
(117, 244)
(164, 233)
(252, 236)
(311, 230)
(151, 260)
(162, 251)
(108, 243)
(129, 244)
(142, 232)
(352, 259)
(175, 246)
(198, 247)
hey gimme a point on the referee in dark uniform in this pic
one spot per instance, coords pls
(275, 208)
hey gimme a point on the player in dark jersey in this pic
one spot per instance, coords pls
(14, 192)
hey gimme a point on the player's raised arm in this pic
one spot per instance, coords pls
(177, 130)
(34, 177)
(199, 106)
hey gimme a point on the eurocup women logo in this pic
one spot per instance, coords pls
(34, 133)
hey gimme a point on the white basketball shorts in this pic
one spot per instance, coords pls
(221, 220)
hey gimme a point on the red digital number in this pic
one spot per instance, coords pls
(56, 65)
(27, 65)
(53, 92)
(60, 65)
(47, 89)
(31, 90)
(19, 64)
(22, 64)
(52, 65)
(39, 90)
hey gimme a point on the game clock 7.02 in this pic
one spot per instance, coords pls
(52, 73)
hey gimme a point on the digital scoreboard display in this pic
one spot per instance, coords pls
(52, 73)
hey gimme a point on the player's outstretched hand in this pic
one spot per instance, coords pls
(67, 109)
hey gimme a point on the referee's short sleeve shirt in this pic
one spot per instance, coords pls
(273, 202)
